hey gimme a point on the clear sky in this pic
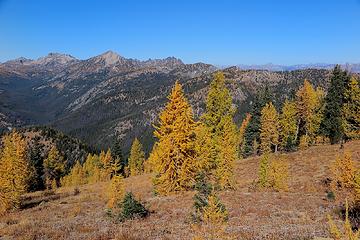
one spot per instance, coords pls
(222, 32)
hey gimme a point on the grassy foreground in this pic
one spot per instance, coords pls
(299, 213)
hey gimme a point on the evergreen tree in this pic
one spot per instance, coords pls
(218, 119)
(332, 124)
(269, 130)
(351, 110)
(36, 159)
(173, 156)
(136, 158)
(309, 104)
(288, 125)
(117, 155)
(54, 167)
(14, 171)
(252, 132)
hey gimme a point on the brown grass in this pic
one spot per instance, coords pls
(299, 213)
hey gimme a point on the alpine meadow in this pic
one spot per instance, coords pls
(217, 145)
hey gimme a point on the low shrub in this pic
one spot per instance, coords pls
(128, 208)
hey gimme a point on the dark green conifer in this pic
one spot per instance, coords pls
(332, 124)
(252, 132)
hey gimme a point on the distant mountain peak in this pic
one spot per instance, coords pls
(169, 62)
(20, 60)
(109, 58)
(55, 58)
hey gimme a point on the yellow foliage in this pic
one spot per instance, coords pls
(92, 169)
(273, 174)
(304, 142)
(116, 191)
(213, 213)
(14, 171)
(220, 137)
(278, 175)
(288, 124)
(228, 153)
(106, 161)
(214, 217)
(347, 233)
(136, 158)
(54, 166)
(173, 156)
(269, 130)
(343, 170)
(205, 150)
(309, 107)
(76, 177)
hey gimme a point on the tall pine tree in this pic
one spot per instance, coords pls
(117, 155)
(332, 124)
(173, 156)
(36, 159)
(252, 132)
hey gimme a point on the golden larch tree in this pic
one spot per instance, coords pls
(205, 150)
(106, 161)
(54, 167)
(173, 157)
(116, 191)
(288, 122)
(269, 129)
(227, 155)
(136, 158)
(218, 118)
(14, 171)
(309, 107)
(76, 176)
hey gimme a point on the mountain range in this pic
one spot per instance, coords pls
(109, 96)
(351, 67)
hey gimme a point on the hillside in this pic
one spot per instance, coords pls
(297, 214)
(109, 96)
(70, 148)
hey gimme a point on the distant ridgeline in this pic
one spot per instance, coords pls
(71, 149)
(110, 97)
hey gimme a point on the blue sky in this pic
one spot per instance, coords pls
(219, 32)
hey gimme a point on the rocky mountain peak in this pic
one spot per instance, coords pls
(55, 59)
(169, 62)
(18, 61)
(109, 58)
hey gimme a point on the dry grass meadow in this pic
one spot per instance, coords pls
(299, 213)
